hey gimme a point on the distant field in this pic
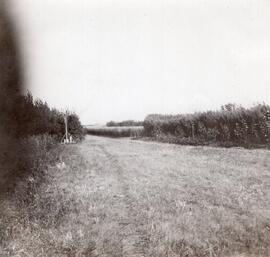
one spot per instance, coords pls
(128, 198)
(131, 131)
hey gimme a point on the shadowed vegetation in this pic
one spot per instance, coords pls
(231, 126)
(35, 117)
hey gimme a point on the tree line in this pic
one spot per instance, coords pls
(35, 117)
(125, 123)
(232, 125)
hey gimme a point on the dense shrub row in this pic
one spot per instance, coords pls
(126, 123)
(232, 125)
(29, 130)
(35, 117)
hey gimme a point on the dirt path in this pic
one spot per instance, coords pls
(124, 207)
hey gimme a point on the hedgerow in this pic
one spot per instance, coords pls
(35, 117)
(232, 125)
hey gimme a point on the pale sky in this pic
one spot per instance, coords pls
(124, 59)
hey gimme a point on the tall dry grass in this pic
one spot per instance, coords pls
(36, 155)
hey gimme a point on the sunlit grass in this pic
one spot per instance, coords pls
(116, 197)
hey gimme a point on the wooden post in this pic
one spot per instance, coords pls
(66, 126)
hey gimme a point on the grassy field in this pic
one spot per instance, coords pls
(123, 131)
(120, 197)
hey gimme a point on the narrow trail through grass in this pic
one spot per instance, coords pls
(123, 207)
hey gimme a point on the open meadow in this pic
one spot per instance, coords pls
(122, 197)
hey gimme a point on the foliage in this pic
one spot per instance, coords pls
(126, 123)
(35, 117)
(232, 125)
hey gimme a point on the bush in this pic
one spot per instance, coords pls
(30, 157)
(35, 117)
(232, 125)
(31, 130)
